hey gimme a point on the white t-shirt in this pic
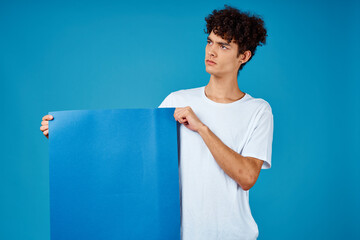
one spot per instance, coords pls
(213, 205)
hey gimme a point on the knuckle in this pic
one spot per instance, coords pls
(47, 117)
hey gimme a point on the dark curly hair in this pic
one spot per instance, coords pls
(246, 30)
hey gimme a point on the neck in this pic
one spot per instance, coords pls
(223, 89)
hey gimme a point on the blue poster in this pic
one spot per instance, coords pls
(114, 175)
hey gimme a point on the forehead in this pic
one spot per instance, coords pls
(217, 38)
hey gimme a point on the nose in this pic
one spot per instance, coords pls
(211, 51)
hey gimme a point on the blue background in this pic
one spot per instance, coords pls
(106, 54)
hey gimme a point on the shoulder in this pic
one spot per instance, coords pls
(259, 109)
(181, 97)
(260, 104)
(187, 92)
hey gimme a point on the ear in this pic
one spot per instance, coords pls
(245, 56)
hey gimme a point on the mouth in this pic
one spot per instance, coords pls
(210, 62)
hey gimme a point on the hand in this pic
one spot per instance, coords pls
(45, 125)
(186, 116)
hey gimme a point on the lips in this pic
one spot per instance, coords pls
(210, 62)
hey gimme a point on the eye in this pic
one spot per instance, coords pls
(208, 41)
(223, 47)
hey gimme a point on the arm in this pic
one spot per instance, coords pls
(244, 170)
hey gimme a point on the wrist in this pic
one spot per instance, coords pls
(203, 128)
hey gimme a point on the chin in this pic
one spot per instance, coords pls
(211, 72)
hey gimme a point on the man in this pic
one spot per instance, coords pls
(225, 134)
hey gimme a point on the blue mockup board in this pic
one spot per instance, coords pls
(114, 174)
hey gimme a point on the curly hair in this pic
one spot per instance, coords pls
(246, 30)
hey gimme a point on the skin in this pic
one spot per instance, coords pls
(45, 125)
(223, 88)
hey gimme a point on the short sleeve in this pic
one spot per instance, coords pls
(167, 102)
(259, 144)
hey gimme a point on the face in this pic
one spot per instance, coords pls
(221, 57)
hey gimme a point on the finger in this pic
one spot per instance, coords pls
(46, 132)
(185, 120)
(45, 123)
(43, 128)
(182, 119)
(177, 110)
(180, 113)
(176, 117)
(184, 112)
(47, 117)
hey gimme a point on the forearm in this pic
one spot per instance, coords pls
(234, 164)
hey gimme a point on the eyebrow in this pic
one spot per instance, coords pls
(223, 43)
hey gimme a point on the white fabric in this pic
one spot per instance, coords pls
(213, 205)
